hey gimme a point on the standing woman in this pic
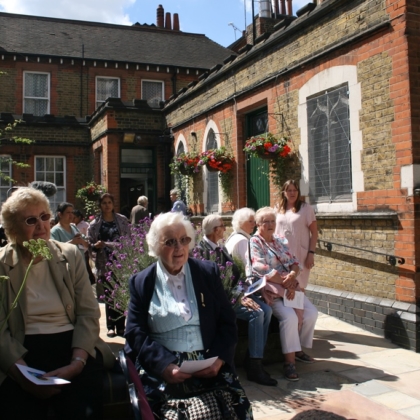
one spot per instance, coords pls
(64, 230)
(103, 232)
(296, 222)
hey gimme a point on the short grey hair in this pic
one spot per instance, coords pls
(154, 235)
(241, 216)
(142, 200)
(175, 191)
(210, 222)
(21, 198)
(263, 211)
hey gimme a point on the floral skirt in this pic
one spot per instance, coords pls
(158, 391)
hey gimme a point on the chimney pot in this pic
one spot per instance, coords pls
(159, 16)
(176, 22)
(283, 7)
(289, 8)
(168, 24)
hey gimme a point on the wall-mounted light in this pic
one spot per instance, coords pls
(129, 137)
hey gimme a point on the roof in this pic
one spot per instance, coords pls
(145, 44)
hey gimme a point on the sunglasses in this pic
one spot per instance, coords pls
(31, 221)
(174, 243)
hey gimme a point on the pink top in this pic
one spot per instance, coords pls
(295, 228)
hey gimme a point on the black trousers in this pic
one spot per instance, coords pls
(81, 399)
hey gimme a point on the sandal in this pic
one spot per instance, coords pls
(290, 372)
(304, 358)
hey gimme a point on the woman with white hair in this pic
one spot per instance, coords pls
(259, 314)
(178, 311)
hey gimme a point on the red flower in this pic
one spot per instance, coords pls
(267, 145)
(285, 151)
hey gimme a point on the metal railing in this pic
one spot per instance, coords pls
(391, 259)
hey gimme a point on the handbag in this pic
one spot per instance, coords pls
(210, 405)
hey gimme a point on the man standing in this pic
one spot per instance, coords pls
(178, 204)
(252, 310)
(139, 212)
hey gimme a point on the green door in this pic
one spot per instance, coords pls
(258, 185)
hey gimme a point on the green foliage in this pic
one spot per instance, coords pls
(90, 194)
(38, 248)
(5, 135)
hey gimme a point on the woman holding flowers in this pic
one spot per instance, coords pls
(55, 326)
(179, 311)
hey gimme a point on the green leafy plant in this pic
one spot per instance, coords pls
(220, 160)
(276, 150)
(185, 164)
(90, 194)
(6, 135)
(38, 248)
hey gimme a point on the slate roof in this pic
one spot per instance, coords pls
(142, 44)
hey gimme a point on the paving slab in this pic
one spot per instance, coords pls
(357, 375)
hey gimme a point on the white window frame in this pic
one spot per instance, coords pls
(100, 102)
(5, 186)
(325, 80)
(152, 81)
(48, 98)
(61, 189)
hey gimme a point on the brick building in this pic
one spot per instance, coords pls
(340, 79)
(59, 76)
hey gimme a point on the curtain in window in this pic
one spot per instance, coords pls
(36, 94)
(106, 88)
(153, 93)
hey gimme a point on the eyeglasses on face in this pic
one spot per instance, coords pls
(31, 221)
(174, 243)
(266, 222)
(221, 226)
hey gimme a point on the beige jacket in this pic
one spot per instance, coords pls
(71, 279)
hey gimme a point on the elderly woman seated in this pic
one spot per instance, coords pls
(271, 258)
(178, 311)
(251, 309)
(55, 326)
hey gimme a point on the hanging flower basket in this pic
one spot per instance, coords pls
(267, 146)
(185, 164)
(217, 160)
(91, 192)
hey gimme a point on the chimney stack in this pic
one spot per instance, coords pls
(159, 16)
(276, 7)
(176, 22)
(289, 8)
(282, 7)
(168, 23)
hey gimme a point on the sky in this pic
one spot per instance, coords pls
(217, 19)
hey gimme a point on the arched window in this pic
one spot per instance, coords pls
(212, 178)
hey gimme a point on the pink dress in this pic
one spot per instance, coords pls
(295, 228)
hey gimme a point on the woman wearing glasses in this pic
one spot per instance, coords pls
(179, 311)
(55, 326)
(103, 234)
(271, 258)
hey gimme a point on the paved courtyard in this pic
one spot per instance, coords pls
(357, 376)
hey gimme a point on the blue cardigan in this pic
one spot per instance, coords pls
(217, 318)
